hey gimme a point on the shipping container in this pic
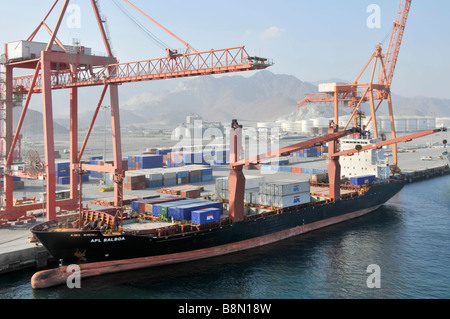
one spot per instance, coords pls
(289, 188)
(184, 212)
(289, 200)
(62, 166)
(205, 216)
(361, 180)
(160, 210)
(149, 205)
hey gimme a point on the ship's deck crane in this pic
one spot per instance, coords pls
(60, 69)
(353, 95)
(236, 179)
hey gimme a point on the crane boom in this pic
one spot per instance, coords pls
(406, 138)
(210, 62)
(390, 58)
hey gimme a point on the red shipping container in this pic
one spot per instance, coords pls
(195, 173)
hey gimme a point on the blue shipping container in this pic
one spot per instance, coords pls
(182, 174)
(63, 173)
(157, 207)
(361, 180)
(64, 180)
(204, 216)
(180, 213)
(206, 178)
(207, 171)
(195, 179)
(62, 166)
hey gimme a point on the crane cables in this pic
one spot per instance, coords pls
(149, 34)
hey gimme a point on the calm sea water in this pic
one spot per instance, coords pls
(408, 238)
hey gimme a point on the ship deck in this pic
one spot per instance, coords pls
(324, 192)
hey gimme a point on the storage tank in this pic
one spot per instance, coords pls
(306, 125)
(289, 127)
(320, 122)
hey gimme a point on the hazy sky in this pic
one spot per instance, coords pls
(312, 40)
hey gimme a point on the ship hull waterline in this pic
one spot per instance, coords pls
(211, 243)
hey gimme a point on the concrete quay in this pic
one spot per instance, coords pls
(17, 253)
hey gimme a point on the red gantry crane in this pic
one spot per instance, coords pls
(353, 95)
(61, 67)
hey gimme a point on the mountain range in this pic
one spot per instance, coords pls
(263, 96)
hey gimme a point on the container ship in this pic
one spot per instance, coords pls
(247, 212)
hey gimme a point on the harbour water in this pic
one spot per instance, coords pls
(408, 238)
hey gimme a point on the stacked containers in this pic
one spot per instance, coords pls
(153, 179)
(63, 172)
(134, 181)
(252, 184)
(195, 176)
(169, 178)
(206, 174)
(145, 161)
(140, 205)
(182, 177)
(161, 210)
(149, 204)
(94, 160)
(283, 194)
(184, 212)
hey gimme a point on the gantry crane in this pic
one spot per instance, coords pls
(353, 95)
(58, 68)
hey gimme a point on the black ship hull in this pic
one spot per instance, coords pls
(93, 246)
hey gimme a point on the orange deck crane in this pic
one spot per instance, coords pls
(236, 179)
(353, 95)
(59, 68)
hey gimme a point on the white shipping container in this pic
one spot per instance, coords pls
(154, 176)
(251, 182)
(289, 188)
(169, 175)
(291, 200)
(250, 195)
